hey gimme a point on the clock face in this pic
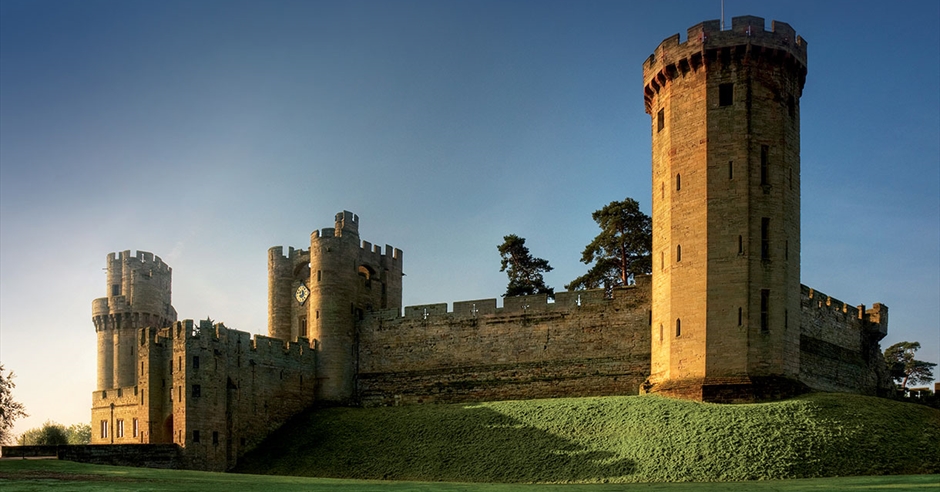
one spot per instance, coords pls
(302, 293)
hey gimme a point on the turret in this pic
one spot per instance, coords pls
(726, 208)
(139, 294)
(323, 293)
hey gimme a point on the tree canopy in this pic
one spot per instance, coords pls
(622, 248)
(10, 410)
(524, 270)
(52, 433)
(904, 367)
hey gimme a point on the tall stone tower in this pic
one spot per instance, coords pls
(726, 210)
(138, 296)
(322, 294)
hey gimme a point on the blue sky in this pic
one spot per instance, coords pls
(207, 132)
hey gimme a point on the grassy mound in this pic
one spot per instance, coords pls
(612, 439)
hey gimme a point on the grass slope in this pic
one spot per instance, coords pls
(611, 439)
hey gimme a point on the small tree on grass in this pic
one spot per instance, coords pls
(622, 248)
(10, 409)
(524, 270)
(50, 434)
(79, 433)
(904, 367)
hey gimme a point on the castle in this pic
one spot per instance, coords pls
(722, 318)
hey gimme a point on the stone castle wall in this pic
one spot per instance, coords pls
(583, 344)
(839, 348)
(214, 391)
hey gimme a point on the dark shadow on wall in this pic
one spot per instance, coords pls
(450, 443)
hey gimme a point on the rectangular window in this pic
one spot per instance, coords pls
(120, 428)
(116, 289)
(764, 158)
(215, 437)
(725, 94)
(104, 429)
(765, 238)
(195, 362)
(197, 391)
(195, 436)
(660, 121)
(765, 310)
(730, 169)
(179, 392)
(740, 316)
(136, 428)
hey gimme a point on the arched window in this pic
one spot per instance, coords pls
(678, 182)
(678, 253)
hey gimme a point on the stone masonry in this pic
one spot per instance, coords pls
(722, 318)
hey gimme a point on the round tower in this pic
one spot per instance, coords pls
(331, 308)
(726, 210)
(138, 290)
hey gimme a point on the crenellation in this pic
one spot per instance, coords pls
(723, 317)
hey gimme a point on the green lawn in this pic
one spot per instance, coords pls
(609, 439)
(29, 475)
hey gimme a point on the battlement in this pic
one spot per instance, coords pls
(277, 252)
(187, 330)
(516, 305)
(140, 259)
(874, 320)
(373, 254)
(705, 40)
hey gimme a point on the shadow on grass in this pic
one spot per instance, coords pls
(449, 443)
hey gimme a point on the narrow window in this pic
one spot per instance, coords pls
(660, 332)
(662, 260)
(765, 238)
(179, 364)
(319, 274)
(786, 249)
(662, 187)
(303, 326)
(179, 392)
(730, 169)
(215, 437)
(765, 310)
(678, 182)
(104, 429)
(116, 289)
(790, 177)
(764, 157)
(786, 322)
(136, 428)
(195, 362)
(660, 121)
(740, 245)
(195, 436)
(678, 327)
(791, 106)
(197, 391)
(119, 428)
(740, 316)
(141, 396)
(678, 253)
(725, 94)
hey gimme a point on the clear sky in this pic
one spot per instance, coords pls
(206, 132)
